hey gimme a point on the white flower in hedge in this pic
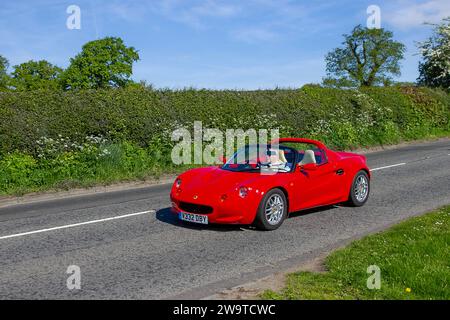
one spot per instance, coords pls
(104, 153)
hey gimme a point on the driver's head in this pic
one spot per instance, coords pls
(273, 155)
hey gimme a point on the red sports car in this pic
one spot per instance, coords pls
(262, 184)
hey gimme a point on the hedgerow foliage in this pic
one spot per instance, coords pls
(342, 118)
(49, 137)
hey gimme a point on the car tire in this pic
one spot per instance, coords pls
(272, 210)
(360, 189)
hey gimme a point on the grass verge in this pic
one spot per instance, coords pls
(413, 257)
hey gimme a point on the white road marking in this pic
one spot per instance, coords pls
(76, 224)
(391, 166)
(130, 215)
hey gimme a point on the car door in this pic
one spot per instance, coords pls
(317, 185)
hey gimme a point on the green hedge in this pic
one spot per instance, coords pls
(45, 135)
(342, 118)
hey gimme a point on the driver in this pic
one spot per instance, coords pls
(277, 160)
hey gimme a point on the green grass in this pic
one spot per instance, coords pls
(93, 166)
(413, 256)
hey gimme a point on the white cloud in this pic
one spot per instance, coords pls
(258, 20)
(193, 13)
(214, 9)
(130, 12)
(254, 34)
(410, 14)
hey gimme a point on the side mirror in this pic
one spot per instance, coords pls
(309, 167)
(222, 159)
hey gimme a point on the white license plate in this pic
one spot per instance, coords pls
(192, 217)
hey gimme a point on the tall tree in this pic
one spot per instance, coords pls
(35, 75)
(367, 57)
(435, 68)
(4, 78)
(102, 63)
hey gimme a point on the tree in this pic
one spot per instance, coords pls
(35, 75)
(4, 78)
(435, 68)
(102, 63)
(368, 57)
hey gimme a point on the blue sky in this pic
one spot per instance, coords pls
(246, 44)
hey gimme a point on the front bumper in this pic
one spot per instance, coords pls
(232, 210)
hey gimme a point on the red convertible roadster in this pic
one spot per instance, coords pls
(262, 184)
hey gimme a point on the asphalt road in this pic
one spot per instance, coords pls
(129, 246)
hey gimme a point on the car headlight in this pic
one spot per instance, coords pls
(243, 191)
(178, 183)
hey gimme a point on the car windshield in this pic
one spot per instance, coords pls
(257, 158)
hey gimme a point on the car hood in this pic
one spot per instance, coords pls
(216, 181)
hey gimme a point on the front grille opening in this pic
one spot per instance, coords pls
(195, 208)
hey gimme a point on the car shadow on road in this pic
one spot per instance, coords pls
(313, 210)
(167, 216)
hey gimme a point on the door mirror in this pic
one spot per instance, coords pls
(222, 159)
(309, 167)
